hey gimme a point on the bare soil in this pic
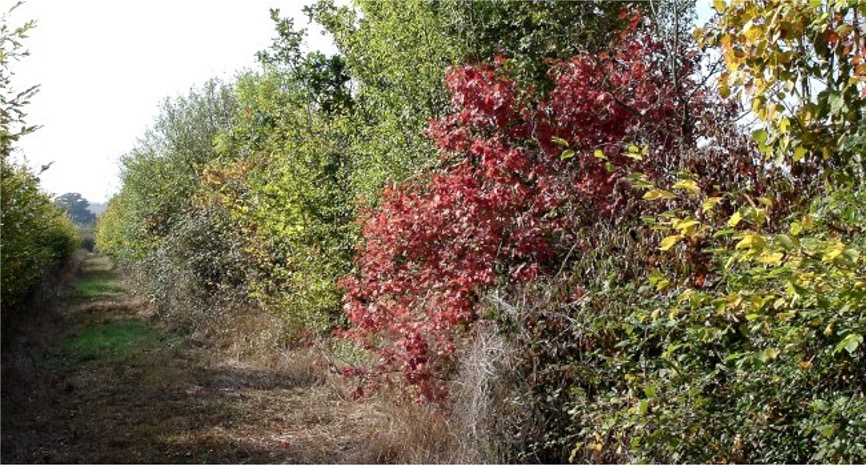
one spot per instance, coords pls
(97, 381)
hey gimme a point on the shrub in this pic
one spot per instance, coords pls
(518, 178)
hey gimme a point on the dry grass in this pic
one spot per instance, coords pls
(183, 398)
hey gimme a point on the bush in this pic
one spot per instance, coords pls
(36, 236)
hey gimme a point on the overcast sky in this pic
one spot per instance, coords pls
(104, 66)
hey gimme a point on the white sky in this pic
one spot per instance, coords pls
(104, 67)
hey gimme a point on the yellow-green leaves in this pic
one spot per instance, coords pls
(710, 203)
(735, 219)
(688, 185)
(751, 240)
(849, 343)
(670, 241)
(659, 194)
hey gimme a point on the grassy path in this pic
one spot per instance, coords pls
(100, 383)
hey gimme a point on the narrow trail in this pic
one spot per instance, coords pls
(100, 383)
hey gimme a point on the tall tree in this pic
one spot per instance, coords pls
(77, 207)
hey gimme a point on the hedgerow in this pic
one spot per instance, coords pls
(36, 237)
(648, 245)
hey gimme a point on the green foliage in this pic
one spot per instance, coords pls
(290, 197)
(76, 207)
(35, 236)
(397, 54)
(743, 344)
(12, 100)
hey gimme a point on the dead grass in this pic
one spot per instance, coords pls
(170, 399)
(215, 398)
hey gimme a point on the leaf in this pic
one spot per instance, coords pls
(735, 219)
(760, 136)
(752, 240)
(710, 203)
(633, 152)
(771, 259)
(800, 153)
(659, 194)
(684, 225)
(836, 101)
(642, 407)
(566, 154)
(849, 343)
(599, 154)
(670, 241)
(686, 184)
(719, 5)
(786, 241)
(559, 141)
(769, 354)
(650, 391)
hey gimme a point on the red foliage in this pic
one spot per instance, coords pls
(504, 204)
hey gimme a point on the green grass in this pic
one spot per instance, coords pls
(113, 340)
(96, 285)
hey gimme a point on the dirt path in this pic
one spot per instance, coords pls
(100, 383)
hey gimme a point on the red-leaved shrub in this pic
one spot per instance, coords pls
(518, 176)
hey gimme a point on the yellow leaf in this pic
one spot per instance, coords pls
(670, 241)
(752, 240)
(719, 5)
(687, 184)
(834, 251)
(599, 154)
(771, 259)
(754, 33)
(766, 201)
(684, 225)
(710, 203)
(659, 194)
(799, 154)
(735, 219)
